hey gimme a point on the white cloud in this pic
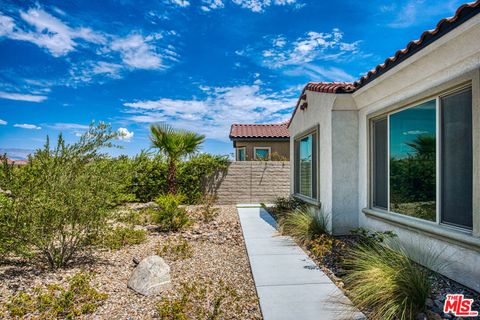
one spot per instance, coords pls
(260, 5)
(212, 5)
(67, 126)
(125, 135)
(3, 122)
(319, 73)
(22, 97)
(181, 3)
(137, 53)
(312, 46)
(47, 31)
(220, 107)
(27, 126)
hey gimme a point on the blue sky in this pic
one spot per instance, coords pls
(196, 64)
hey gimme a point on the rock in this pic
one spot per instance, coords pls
(150, 277)
(135, 261)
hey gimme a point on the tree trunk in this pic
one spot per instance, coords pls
(171, 178)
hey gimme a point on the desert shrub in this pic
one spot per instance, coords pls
(199, 301)
(61, 197)
(198, 176)
(134, 217)
(178, 249)
(56, 302)
(386, 282)
(284, 205)
(304, 225)
(324, 244)
(208, 211)
(368, 237)
(170, 216)
(195, 176)
(118, 237)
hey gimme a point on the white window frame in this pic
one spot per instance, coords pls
(262, 148)
(437, 98)
(244, 153)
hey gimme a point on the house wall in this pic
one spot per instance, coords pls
(343, 120)
(280, 148)
(438, 67)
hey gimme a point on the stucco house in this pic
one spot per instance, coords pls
(399, 149)
(260, 142)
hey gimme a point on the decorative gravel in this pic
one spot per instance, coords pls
(218, 256)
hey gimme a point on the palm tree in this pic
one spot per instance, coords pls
(424, 146)
(174, 144)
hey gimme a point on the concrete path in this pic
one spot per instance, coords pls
(288, 283)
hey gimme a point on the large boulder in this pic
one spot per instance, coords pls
(150, 277)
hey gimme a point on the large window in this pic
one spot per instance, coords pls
(262, 153)
(306, 165)
(417, 159)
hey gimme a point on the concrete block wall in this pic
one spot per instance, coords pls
(254, 182)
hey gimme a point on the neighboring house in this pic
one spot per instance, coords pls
(260, 141)
(17, 162)
(399, 149)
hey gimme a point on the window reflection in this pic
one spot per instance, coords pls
(413, 161)
(306, 166)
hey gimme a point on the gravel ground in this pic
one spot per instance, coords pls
(218, 255)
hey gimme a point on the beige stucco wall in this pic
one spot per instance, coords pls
(452, 60)
(280, 149)
(254, 182)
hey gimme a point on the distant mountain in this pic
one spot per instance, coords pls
(16, 153)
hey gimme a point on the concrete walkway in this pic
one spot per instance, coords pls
(288, 283)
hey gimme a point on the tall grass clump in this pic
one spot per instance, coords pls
(304, 225)
(386, 282)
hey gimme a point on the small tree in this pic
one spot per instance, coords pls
(174, 144)
(60, 199)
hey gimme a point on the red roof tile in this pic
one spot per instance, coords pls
(330, 87)
(279, 130)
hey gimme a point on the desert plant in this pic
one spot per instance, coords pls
(61, 197)
(386, 282)
(304, 225)
(118, 237)
(178, 249)
(208, 211)
(174, 144)
(198, 301)
(170, 216)
(56, 302)
(284, 205)
(324, 244)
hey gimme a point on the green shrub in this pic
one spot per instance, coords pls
(199, 301)
(179, 249)
(284, 205)
(56, 302)
(61, 198)
(304, 225)
(386, 282)
(324, 244)
(119, 237)
(148, 176)
(134, 217)
(170, 216)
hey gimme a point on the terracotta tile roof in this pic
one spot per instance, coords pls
(278, 130)
(330, 87)
(463, 13)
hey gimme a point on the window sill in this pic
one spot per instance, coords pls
(462, 238)
(311, 201)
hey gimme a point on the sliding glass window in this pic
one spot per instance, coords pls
(411, 169)
(306, 165)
